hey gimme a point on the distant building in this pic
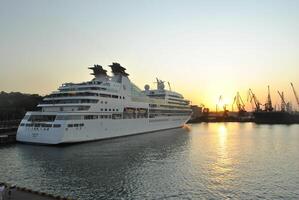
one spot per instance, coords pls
(197, 111)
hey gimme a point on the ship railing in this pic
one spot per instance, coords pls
(148, 100)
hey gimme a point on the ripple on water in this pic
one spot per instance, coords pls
(203, 161)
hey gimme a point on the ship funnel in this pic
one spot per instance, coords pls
(117, 69)
(98, 71)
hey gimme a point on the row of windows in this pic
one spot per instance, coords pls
(81, 94)
(179, 100)
(109, 109)
(176, 96)
(132, 113)
(169, 111)
(82, 88)
(69, 101)
(72, 94)
(83, 83)
(113, 116)
(75, 125)
(177, 103)
(168, 115)
(172, 106)
(40, 118)
(41, 125)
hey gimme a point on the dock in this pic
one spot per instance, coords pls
(8, 137)
(8, 131)
(21, 193)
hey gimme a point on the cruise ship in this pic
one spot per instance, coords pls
(105, 107)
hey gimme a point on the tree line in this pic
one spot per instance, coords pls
(14, 105)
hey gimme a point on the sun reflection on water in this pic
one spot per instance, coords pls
(221, 144)
(222, 135)
(222, 168)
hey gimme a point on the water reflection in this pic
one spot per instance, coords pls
(201, 161)
(222, 137)
(111, 168)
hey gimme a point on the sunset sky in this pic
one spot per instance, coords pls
(203, 48)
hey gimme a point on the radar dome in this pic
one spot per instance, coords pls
(146, 87)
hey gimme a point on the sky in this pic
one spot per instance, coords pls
(203, 48)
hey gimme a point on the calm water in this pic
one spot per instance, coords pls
(202, 161)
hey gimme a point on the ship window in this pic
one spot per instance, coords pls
(115, 96)
(129, 113)
(22, 124)
(76, 125)
(101, 101)
(68, 117)
(81, 125)
(116, 116)
(105, 102)
(105, 109)
(101, 109)
(56, 125)
(46, 125)
(113, 110)
(90, 117)
(70, 125)
(116, 109)
(105, 95)
(109, 109)
(83, 107)
(42, 118)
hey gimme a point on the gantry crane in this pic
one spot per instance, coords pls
(252, 97)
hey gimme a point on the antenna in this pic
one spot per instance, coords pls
(169, 86)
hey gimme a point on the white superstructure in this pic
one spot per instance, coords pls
(104, 107)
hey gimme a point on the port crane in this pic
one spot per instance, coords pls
(283, 103)
(268, 105)
(296, 96)
(239, 103)
(221, 102)
(252, 97)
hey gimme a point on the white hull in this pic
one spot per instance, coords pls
(105, 107)
(96, 129)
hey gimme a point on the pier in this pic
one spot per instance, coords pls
(22, 193)
(8, 131)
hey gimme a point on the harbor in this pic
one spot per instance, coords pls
(261, 113)
(219, 160)
(153, 100)
(13, 192)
